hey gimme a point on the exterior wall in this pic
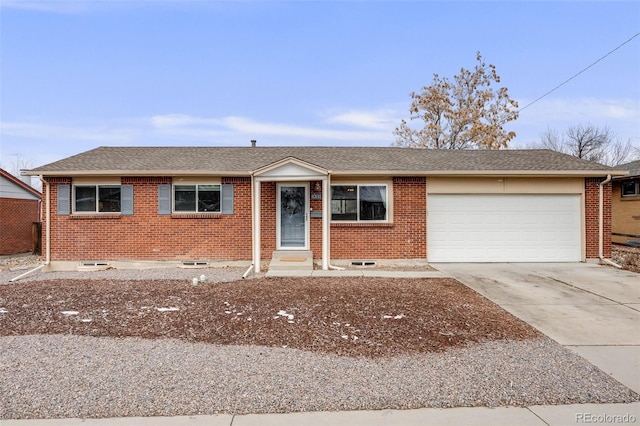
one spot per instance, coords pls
(404, 238)
(592, 212)
(315, 232)
(267, 219)
(146, 235)
(16, 219)
(9, 189)
(625, 215)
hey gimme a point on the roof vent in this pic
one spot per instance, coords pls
(253, 143)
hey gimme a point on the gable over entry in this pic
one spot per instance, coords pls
(298, 173)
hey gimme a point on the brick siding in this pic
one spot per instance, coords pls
(149, 236)
(405, 238)
(146, 235)
(267, 219)
(16, 219)
(592, 212)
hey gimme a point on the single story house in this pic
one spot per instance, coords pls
(347, 203)
(19, 209)
(625, 206)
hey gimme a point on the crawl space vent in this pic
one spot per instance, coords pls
(195, 263)
(363, 263)
(95, 264)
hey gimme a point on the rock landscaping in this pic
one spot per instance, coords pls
(105, 347)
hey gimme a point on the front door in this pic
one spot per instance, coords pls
(292, 217)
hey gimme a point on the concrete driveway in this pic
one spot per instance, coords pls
(591, 309)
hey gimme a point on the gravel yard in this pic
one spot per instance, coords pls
(626, 256)
(94, 344)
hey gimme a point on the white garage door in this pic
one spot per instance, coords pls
(503, 228)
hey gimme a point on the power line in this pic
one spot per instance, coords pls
(577, 74)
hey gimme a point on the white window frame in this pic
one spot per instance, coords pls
(197, 185)
(358, 185)
(96, 187)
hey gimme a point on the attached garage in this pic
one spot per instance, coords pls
(505, 220)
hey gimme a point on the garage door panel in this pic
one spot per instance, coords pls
(503, 228)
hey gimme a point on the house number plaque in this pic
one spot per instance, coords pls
(316, 195)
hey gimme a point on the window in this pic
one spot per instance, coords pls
(359, 202)
(631, 188)
(97, 198)
(196, 198)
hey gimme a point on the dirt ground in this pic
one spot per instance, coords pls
(368, 317)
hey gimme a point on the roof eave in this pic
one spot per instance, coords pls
(137, 173)
(467, 173)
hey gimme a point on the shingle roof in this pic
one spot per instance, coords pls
(339, 160)
(633, 168)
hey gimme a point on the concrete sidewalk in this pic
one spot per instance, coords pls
(561, 300)
(558, 415)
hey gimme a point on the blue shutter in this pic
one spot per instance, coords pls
(164, 199)
(126, 199)
(227, 199)
(64, 200)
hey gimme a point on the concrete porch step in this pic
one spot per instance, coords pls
(291, 260)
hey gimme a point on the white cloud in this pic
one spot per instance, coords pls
(248, 126)
(41, 131)
(561, 109)
(385, 119)
(44, 142)
(194, 126)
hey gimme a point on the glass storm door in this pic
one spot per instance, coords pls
(292, 217)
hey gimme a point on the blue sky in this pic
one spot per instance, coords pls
(79, 74)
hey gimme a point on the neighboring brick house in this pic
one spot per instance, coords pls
(625, 206)
(19, 209)
(243, 203)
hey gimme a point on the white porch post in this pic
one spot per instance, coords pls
(255, 212)
(326, 215)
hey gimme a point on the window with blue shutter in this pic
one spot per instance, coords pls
(164, 199)
(227, 199)
(126, 199)
(64, 200)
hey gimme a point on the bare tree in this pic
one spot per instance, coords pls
(20, 164)
(621, 152)
(466, 113)
(589, 142)
(552, 140)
